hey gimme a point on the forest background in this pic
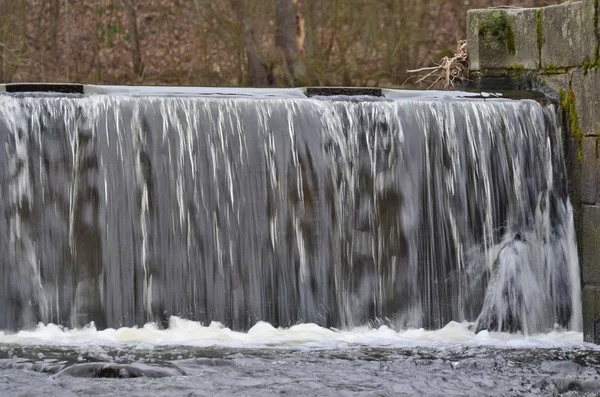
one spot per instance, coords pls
(279, 43)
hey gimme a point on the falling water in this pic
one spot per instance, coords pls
(409, 212)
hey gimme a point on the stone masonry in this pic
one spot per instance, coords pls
(554, 49)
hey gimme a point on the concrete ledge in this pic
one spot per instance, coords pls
(190, 91)
(45, 87)
(347, 91)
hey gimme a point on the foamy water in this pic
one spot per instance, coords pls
(190, 333)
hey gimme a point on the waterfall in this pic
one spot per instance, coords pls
(412, 212)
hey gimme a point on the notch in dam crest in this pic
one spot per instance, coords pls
(123, 209)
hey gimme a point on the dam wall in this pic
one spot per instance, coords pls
(134, 205)
(554, 49)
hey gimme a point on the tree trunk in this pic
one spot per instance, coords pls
(136, 54)
(287, 34)
(54, 22)
(257, 72)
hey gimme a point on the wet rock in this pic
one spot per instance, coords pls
(111, 370)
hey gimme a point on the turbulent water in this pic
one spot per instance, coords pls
(357, 222)
(189, 359)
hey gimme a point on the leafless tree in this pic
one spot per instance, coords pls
(136, 53)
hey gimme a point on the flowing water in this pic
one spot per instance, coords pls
(283, 244)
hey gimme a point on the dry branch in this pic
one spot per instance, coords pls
(449, 72)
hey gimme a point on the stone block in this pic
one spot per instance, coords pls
(503, 39)
(589, 32)
(589, 183)
(597, 171)
(555, 83)
(574, 176)
(586, 86)
(561, 35)
(590, 263)
(591, 313)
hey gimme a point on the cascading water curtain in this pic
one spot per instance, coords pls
(410, 212)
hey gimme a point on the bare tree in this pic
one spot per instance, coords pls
(257, 70)
(286, 31)
(230, 42)
(13, 49)
(134, 40)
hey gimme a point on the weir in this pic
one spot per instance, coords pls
(412, 209)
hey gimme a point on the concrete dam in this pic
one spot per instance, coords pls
(123, 206)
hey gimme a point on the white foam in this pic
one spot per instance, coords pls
(261, 335)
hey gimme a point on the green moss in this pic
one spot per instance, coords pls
(495, 29)
(567, 103)
(539, 32)
(591, 65)
(554, 69)
(510, 40)
(516, 70)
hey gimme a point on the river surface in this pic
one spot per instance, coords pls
(189, 359)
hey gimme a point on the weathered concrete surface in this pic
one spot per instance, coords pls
(561, 35)
(587, 100)
(495, 44)
(556, 50)
(589, 182)
(590, 263)
(555, 82)
(591, 313)
(589, 30)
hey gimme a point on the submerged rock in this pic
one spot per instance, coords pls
(111, 370)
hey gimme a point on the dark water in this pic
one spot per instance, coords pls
(359, 371)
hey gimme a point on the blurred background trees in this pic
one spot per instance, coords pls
(230, 42)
